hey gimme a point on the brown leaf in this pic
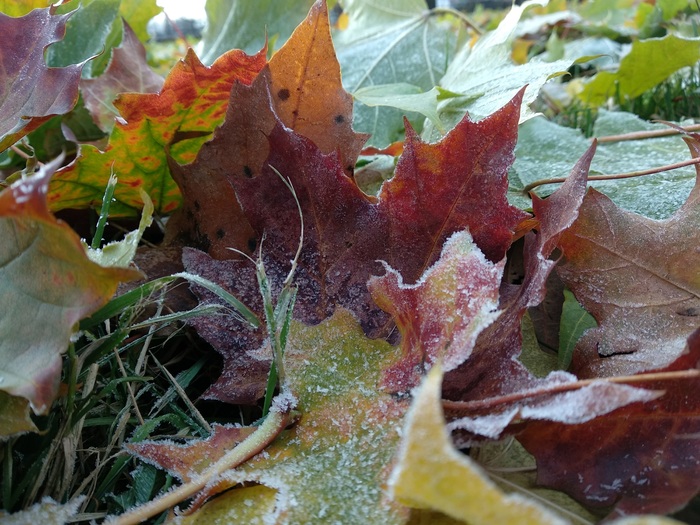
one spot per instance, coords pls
(639, 278)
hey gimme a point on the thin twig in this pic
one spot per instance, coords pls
(471, 406)
(557, 180)
(637, 135)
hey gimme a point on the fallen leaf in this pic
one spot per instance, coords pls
(192, 102)
(127, 71)
(639, 278)
(641, 458)
(48, 285)
(431, 473)
(442, 314)
(31, 92)
(649, 62)
(347, 427)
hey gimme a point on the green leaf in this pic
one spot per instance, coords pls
(488, 77)
(574, 321)
(86, 33)
(387, 43)
(649, 63)
(404, 97)
(137, 14)
(244, 25)
(545, 150)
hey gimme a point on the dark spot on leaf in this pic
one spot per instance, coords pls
(295, 113)
(247, 172)
(689, 312)
(220, 233)
(252, 244)
(197, 207)
(339, 119)
(348, 244)
(204, 243)
(283, 94)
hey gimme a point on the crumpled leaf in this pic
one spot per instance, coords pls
(431, 473)
(191, 104)
(127, 71)
(649, 63)
(639, 278)
(437, 189)
(385, 43)
(442, 314)
(656, 472)
(347, 427)
(48, 285)
(121, 253)
(31, 92)
(487, 76)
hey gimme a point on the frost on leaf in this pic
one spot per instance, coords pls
(638, 277)
(441, 315)
(333, 465)
(641, 458)
(31, 92)
(47, 285)
(431, 473)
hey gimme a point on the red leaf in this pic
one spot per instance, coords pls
(642, 458)
(30, 92)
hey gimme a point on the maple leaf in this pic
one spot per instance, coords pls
(347, 427)
(501, 342)
(127, 71)
(31, 92)
(48, 285)
(638, 277)
(641, 458)
(438, 189)
(191, 103)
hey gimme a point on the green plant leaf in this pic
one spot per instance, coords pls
(86, 34)
(545, 150)
(575, 320)
(649, 63)
(487, 76)
(387, 43)
(245, 25)
(404, 97)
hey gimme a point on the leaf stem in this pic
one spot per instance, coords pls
(277, 420)
(638, 135)
(456, 408)
(557, 180)
(460, 16)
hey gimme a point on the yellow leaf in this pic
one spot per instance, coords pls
(432, 474)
